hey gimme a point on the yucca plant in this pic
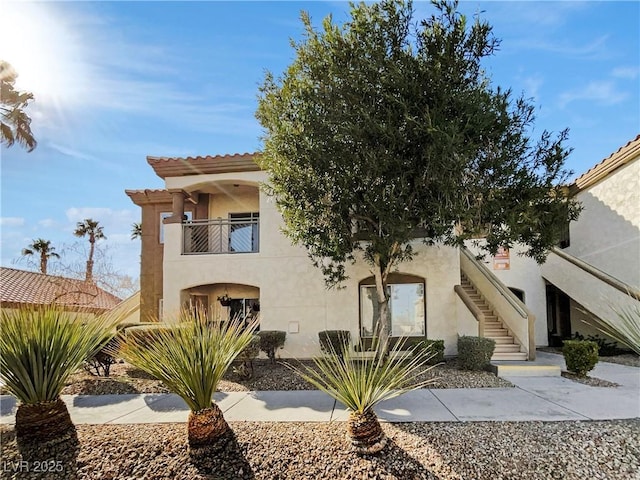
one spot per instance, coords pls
(626, 328)
(190, 359)
(360, 384)
(39, 349)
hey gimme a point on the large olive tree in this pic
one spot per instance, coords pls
(385, 129)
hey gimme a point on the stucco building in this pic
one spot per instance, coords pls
(212, 238)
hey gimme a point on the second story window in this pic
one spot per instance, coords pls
(243, 232)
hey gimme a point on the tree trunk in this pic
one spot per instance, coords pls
(43, 423)
(365, 433)
(43, 263)
(383, 325)
(89, 276)
(207, 428)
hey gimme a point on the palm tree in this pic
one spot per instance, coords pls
(136, 230)
(190, 358)
(39, 349)
(15, 124)
(93, 230)
(44, 248)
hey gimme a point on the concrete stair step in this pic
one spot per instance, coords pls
(518, 370)
(496, 332)
(503, 340)
(507, 348)
(509, 356)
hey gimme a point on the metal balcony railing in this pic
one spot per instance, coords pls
(237, 235)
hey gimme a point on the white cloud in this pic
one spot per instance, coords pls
(48, 223)
(12, 221)
(630, 73)
(601, 92)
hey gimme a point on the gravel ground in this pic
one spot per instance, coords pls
(125, 378)
(591, 381)
(482, 451)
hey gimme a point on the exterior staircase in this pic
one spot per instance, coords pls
(507, 347)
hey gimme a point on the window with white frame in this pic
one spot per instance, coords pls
(407, 306)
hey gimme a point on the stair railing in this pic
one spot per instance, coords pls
(505, 304)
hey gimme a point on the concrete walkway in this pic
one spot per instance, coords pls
(532, 399)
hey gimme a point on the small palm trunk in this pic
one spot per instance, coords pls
(44, 423)
(207, 428)
(365, 433)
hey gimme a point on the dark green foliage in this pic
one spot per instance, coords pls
(580, 356)
(246, 356)
(334, 341)
(474, 353)
(435, 347)
(386, 128)
(270, 341)
(605, 348)
(101, 361)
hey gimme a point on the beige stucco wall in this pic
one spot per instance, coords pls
(293, 295)
(607, 234)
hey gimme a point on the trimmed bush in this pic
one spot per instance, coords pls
(270, 341)
(334, 341)
(246, 357)
(605, 348)
(436, 348)
(474, 353)
(580, 356)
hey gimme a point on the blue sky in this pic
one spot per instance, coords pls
(117, 81)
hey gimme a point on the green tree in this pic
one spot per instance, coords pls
(384, 130)
(92, 229)
(15, 124)
(136, 230)
(44, 249)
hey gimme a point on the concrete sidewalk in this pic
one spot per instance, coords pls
(532, 399)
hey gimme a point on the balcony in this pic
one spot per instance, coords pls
(223, 235)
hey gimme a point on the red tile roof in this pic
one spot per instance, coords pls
(20, 288)
(177, 167)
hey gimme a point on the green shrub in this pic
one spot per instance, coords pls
(474, 353)
(334, 341)
(270, 341)
(246, 358)
(605, 348)
(101, 361)
(436, 349)
(580, 356)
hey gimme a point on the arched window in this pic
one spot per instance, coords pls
(407, 305)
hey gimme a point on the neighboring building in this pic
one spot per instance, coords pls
(599, 264)
(214, 235)
(21, 288)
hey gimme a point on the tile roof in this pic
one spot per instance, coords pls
(22, 288)
(177, 167)
(601, 170)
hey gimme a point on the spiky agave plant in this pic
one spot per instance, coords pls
(39, 349)
(626, 327)
(360, 384)
(190, 359)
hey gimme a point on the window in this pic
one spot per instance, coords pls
(407, 307)
(243, 232)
